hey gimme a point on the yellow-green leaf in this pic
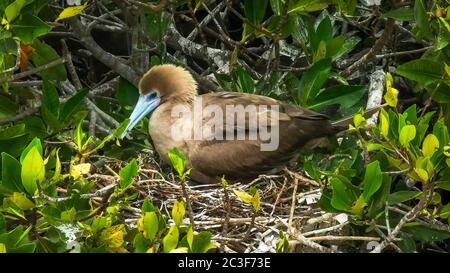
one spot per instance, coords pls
(359, 120)
(384, 123)
(245, 197)
(2, 248)
(447, 70)
(113, 236)
(179, 250)
(423, 175)
(359, 205)
(150, 225)
(391, 96)
(33, 170)
(407, 134)
(71, 11)
(21, 201)
(178, 212)
(430, 145)
(77, 170)
(256, 201)
(321, 51)
(170, 241)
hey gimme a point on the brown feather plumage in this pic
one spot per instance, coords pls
(238, 159)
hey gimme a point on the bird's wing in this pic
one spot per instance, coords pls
(245, 158)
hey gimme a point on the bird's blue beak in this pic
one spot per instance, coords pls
(146, 104)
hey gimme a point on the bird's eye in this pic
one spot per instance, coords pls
(152, 95)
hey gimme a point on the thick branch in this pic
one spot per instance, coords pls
(115, 63)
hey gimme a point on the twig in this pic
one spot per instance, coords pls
(400, 53)
(115, 63)
(411, 215)
(377, 47)
(343, 238)
(32, 71)
(188, 202)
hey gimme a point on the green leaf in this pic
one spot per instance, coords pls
(151, 225)
(344, 95)
(421, 17)
(341, 199)
(68, 215)
(407, 134)
(35, 127)
(324, 30)
(178, 212)
(72, 105)
(127, 173)
(178, 160)
(202, 242)
(170, 241)
(8, 108)
(423, 71)
(29, 27)
(401, 14)
(11, 173)
(312, 80)
(402, 196)
(304, 6)
(45, 54)
(33, 170)
(21, 201)
(35, 143)
(127, 94)
(255, 10)
(426, 234)
(50, 97)
(13, 10)
(430, 145)
(244, 80)
(277, 6)
(372, 180)
(347, 7)
(384, 123)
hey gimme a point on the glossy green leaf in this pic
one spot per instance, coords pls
(421, 16)
(29, 27)
(421, 70)
(407, 134)
(402, 196)
(50, 97)
(151, 225)
(372, 180)
(127, 173)
(312, 80)
(170, 241)
(11, 169)
(45, 54)
(255, 10)
(72, 105)
(35, 143)
(178, 160)
(344, 95)
(303, 6)
(401, 14)
(202, 242)
(33, 170)
(341, 199)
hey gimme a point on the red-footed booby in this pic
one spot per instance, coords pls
(235, 135)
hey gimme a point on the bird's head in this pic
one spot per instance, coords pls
(162, 84)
